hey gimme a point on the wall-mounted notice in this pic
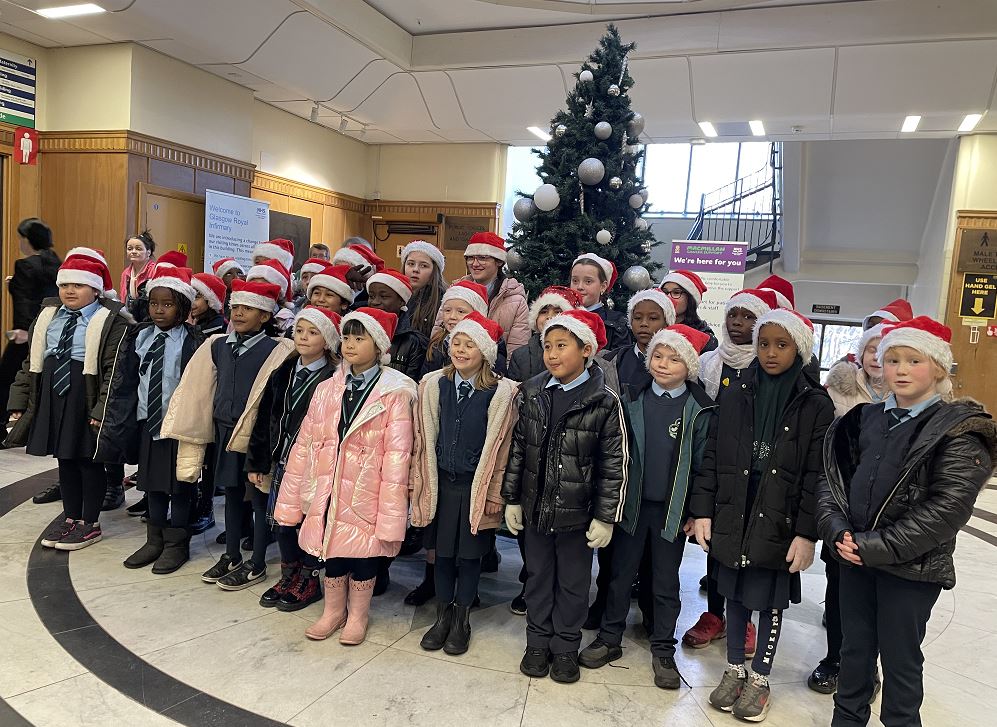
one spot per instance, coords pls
(721, 267)
(233, 225)
(17, 89)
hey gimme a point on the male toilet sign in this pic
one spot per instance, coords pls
(26, 145)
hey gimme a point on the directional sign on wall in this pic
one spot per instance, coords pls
(17, 89)
(979, 296)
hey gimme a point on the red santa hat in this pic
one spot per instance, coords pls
(332, 277)
(799, 328)
(896, 312)
(559, 296)
(172, 259)
(94, 255)
(483, 331)
(474, 294)
(357, 254)
(923, 334)
(91, 252)
(326, 321)
(313, 265)
(394, 280)
(226, 265)
(585, 325)
(274, 272)
(754, 300)
(178, 279)
(83, 270)
(428, 249)
(870, 334)
(688, 281)
(263, 296)
(212, 288)
(379, 324)
(687, 342)
(608, 268)
(785, 295)
(486, 243)
(279, 249)
(656, 296)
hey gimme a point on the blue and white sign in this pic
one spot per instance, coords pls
(17, 89)
(233, 226)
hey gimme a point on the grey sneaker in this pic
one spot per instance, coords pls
(598, 654)
(726, 695)
(753, 704)
(666, 673)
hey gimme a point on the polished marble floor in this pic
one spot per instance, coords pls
(88, 642)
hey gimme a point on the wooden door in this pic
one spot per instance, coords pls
(176, 220)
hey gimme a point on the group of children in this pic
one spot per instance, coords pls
(344, 417)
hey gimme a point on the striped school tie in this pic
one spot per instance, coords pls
(64, 354)
(153, 364)
(463, 392)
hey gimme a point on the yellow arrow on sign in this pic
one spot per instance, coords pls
(977, 306)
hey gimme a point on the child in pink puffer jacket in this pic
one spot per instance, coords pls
(347, 475)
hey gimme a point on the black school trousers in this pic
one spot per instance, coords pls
(559, 574)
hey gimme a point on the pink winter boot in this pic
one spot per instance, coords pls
(358, 611)
(334, 615)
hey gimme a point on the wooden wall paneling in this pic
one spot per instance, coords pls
(138, 173)
(242, 188)
(21, 198)
(277, 201)
(204, 181)
(175, 219)
(172, 176)
(312, 210)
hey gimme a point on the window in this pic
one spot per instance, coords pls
(520, 175)
(834, 341)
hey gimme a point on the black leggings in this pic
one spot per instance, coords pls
(171, 510)
(359, 569)
(714, 601)
(290, 551)
(83, 485)
(460, 575)
(261, 528)
(769, 628)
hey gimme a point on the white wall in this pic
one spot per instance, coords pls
(927, 294)
(89, 88)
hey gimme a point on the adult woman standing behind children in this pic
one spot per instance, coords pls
(686, 289)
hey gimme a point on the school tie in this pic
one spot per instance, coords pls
(299, 384)
(153, 364)
(64, 354)
(355, 383)
(897, 416)
(463, 392)
(239, 345)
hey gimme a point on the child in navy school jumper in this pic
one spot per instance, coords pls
(146, 374)
(528, 361)
(901, 479)
(668, 421)
(564, 484)
(226, 372)
(593, 277)
(282, 408)
(755, 499)
(463, 426)
(57, 399)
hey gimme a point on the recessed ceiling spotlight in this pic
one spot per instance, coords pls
(757, 127)
(708, 129)
(910, 124)
(313, 116)
(538, 132)
(70, 11)
(697, 140)
(969, 123)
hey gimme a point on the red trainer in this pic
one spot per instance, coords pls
(750, 641)
(709, 628)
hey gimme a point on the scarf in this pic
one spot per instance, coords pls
(771, 396)
(711, 363)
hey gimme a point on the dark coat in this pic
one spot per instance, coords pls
(408, 349)
(119, 441)
(527, 361)
(265, 439)
(211, 323)
(24, 390)
(32, 282)
(617, 327)
(785, 505)
(913, 535)
(704, 327)
(584, 462)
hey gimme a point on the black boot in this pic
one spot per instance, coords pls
(114, 495)
(383, 577)
(412, 543)
(289, 574)
(176, 553)
(148, 553)
(423, 592)
(438, 634)
(460, 631)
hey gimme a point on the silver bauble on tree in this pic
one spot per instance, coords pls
(613, 90)
(585, 76)
(641, 224)
(615, 183)
(513, 260)
(603, 237)
(643, 193)
(636, 201)
(633, 148)
(591, 171)
(603, 130)
(636, 125)
(559, 130)
(546, 197)
(524, 209)
(636, 278)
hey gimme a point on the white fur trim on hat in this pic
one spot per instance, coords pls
(312, 268)
(930, 345)
(346, 256)
(799, 331)
(485, 250)
(474, 331)
(404, 291)
(87, 252)
(370, 324)
(323, 323)
(80, 277)
(542, 302)
(274, 252)
(168, 281)
(579, 329)
(678, 343)
(209, 295)
(228, 266)
(269, 274)
(748, 302)
(253, 300)
(426, 248)
(875, 331)
(337, 286)
(603, 263)
(656, 296)
(685, 283)
(474, 300)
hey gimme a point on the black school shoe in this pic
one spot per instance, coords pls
(139, 508)
(535, 663)
(49, 494)
(225, 565)
(202, 524)
(242, 577)
(824, 679)
(518, 605)
(666, 674)
(564, 668)
(597, 654)
(114, 495)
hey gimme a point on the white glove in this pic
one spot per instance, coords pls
(599, 534)
(514, 518)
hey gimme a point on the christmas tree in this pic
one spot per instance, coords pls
(591, 198)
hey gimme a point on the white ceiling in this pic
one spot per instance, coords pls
(483, 70)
